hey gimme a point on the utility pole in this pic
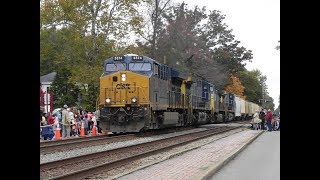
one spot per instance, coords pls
(263, 100)
(262, 96)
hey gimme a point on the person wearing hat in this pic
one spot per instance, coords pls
(65, 122)
(269, 119)
(256, 120)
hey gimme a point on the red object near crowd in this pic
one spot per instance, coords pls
(269, 116)
(41, 99)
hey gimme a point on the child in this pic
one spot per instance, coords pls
(47, 131)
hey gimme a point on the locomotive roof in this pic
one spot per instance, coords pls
(174, 72)
(128, 58)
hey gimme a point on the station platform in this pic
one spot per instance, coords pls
(205, 161)
(260, 160)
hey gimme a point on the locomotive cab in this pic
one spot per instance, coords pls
(124, 93)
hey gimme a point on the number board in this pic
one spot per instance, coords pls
(118, 58)
(137, 58)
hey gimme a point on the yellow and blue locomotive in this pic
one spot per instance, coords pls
(138, 93)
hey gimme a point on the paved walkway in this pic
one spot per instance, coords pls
(193, 164)
(259, 161)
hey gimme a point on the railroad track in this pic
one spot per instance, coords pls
(86, 165)
(242, 122)
(76, 143)
(239, 121)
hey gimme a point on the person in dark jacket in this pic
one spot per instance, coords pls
(262, 116)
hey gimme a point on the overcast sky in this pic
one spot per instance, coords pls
(256, 23)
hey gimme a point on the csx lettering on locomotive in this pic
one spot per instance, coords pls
(123, 86)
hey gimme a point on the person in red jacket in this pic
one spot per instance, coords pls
(50, 119)
(269, 119)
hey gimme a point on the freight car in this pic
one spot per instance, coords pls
(138, 93)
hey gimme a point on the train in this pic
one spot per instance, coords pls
(138, 93)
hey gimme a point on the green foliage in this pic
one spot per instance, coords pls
(77, 36)
(89, 97)
(64, 91)
(183, 41)
(253, 88)
(269, 104)
(233, 56)
(256, 88)
(226, 49)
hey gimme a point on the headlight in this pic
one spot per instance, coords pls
(134, 100)
(108, 100)
(123, 77)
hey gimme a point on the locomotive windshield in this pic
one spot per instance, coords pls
(116, 67)
(141, 66)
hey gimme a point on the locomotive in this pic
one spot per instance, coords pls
(138, 93)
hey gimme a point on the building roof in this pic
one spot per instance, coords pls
(48, 77)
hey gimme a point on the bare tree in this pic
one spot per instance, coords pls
(184, 43)
(153, 23)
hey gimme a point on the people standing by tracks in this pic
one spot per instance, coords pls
(42, 121)
(56, 121)
(279, 123)
(72, 122)
(85, 119)
(65, 122)
(275, 122)
(269, 119)
(97, 114)
(40, 124)
(59, 115)
(256, 120)
(47, 131)
(95, 119)
(90, 122)
(50, 119)
(262, 116)
(76, 124)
